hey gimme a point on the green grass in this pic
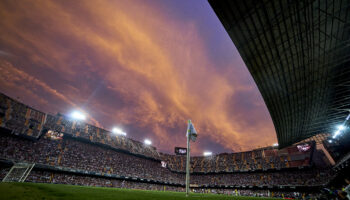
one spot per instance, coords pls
(39, 191)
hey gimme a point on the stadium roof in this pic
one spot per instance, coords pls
(298, 53)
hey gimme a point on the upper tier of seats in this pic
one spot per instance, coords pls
(259, 159)
(24, 120)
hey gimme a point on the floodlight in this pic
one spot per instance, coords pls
(330, 141)
(147, 142)
(207, 153)
(118, 131)
(341, 127)
(275, 145)
(336, 134)
(78, 115)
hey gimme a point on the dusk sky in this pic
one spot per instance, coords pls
(145, 66)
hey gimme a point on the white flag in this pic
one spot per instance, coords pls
(191, 131)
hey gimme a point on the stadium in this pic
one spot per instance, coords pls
(298, 54)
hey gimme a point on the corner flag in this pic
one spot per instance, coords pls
(191, 131)
(191, 135)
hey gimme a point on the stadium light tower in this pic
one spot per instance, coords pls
(207, 153)
(78, 115)
(148, 142)
(118, 131)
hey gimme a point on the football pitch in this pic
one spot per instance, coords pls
(40, 191)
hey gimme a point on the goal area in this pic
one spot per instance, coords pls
(18, 172)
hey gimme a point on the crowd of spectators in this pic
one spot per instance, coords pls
(259, 193)
(19, 118)
(73, 179)
(3, 171)
(60, 123)
(80, 146)
(112, 162)
(75, 154)
(24, 120)
(312, 177)
(259, 159)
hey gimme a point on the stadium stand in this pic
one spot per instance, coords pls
(259, 159)
(19, 118)
(71, 152)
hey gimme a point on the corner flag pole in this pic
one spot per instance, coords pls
(191, 135)
(188, 165)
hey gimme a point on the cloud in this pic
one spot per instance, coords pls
(14, 81)
(127, 63)
(5, 54)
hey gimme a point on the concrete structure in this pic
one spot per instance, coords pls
(298, 53)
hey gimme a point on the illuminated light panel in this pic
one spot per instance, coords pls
(207, 153)
(148, 142)
(118, 131)
(341, 127)
(78, 115)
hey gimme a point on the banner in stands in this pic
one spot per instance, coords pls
(304, 147)
(180, 151)
(163, 164)
(54, 135)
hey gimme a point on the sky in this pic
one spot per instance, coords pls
(145, 66)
